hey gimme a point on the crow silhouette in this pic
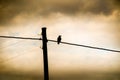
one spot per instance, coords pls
(59, 39)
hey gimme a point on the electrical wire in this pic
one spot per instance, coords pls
(11, 45)
(86, 46)
(105, 49)
(20, 37)
(14, 57)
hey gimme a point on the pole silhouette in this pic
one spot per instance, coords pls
(45, 55)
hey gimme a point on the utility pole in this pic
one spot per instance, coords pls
(45, 55)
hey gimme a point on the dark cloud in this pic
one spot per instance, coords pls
(117, 2)
(8, 9)
(11, 8)
(78, 6)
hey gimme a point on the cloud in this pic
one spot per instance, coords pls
(8, 9)
(11, 8)
(117, 3)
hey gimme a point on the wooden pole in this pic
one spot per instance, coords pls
(45, 56)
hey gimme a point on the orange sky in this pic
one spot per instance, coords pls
(93, 23)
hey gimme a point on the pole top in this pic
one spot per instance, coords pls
(43, 27)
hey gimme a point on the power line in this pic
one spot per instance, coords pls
(86, 46)
(11, 45)
(13, 57)
(20, 37)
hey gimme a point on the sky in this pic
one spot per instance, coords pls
(88, 22)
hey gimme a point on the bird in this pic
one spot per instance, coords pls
(59, 39)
